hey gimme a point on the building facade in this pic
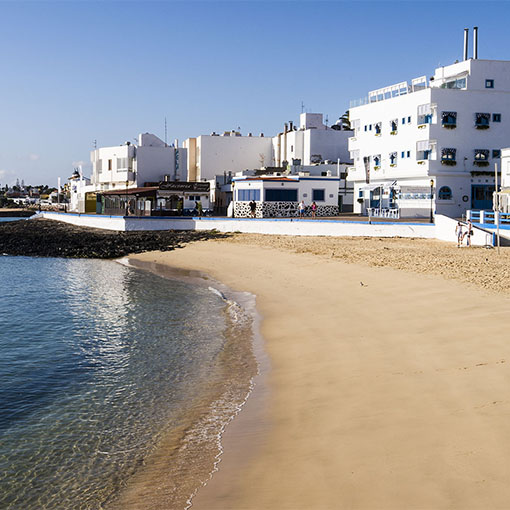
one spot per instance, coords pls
(310, 143)
(212, 155)
(432, 144)
(279, 196)
(131, 166)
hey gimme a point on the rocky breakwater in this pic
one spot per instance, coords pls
(49, 238)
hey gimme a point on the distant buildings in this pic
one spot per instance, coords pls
(432, 144)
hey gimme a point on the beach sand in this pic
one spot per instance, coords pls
(389, 377)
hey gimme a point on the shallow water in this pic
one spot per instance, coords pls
(112, 379)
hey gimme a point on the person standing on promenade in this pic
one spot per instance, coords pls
(314, 209)
(180, 206)
(253, 208)
(301, 209)
(459, 230)
(198, 205)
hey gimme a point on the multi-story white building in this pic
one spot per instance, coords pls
(313, 142)
(132, 166)
(442, 135)
(212, 155)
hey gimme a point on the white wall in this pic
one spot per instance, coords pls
(444, 229)
(218, 154)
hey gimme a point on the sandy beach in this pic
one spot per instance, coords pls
(388, 379)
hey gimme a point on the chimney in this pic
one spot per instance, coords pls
(475, 42)
(290, 126)
(466, 35)
(285, 128)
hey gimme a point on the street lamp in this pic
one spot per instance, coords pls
(127, 199)
(431, 200)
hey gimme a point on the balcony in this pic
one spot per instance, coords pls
(448, 162)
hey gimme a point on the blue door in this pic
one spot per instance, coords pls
(481, 196)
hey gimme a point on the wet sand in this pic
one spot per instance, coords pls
(388, 379)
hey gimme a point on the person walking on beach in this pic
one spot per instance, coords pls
(253, 208)
(468, 233)
(301, 209)
(314, 209)
(459, 230)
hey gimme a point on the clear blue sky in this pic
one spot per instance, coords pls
(74, 72)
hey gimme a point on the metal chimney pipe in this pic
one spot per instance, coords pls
(466, 34)
(475, 42)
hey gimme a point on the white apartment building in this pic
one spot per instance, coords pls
(441, 135)
(212, 155)
(132, 166)
(312, 142)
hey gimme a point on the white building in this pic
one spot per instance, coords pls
(80, 188)
(313, 142)
(212, 155)
(444, 134)
(278, 196)
(131, 166)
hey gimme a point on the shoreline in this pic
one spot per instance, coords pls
(217, 410)
(319, 446)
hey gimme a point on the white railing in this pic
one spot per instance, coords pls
(375, 212)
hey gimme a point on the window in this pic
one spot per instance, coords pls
(408, 154)
(481, 154)
(109, 164)
(496, 117)
(393, 126)
(281, 195)
(393, 158)
(377, 160)
(318, 195)
(482, 120)
(403, 120)
(489, 84)
(448, 156)
(445, 193)
(246, 195)
(403, 154)
(365, 128)
(378, 127)
(449, 119)
(455, 84)
(370, 127)
(292, 148)
(496, 153)
(409, 120)
(99, 166)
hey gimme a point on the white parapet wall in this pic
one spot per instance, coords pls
(443, 229)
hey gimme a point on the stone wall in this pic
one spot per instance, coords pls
(281, 210)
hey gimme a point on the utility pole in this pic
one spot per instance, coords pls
(496, 203)
(165, 134)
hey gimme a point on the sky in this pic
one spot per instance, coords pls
(75, 73)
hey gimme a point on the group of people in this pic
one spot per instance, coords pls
(464, 231)
(301, 209)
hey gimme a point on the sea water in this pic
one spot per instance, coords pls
(115, 384)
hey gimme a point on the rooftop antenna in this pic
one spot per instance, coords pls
(95, 144)
(165, 134)
(302, 107)
(327, 120)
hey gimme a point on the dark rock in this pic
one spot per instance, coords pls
(49, 238)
